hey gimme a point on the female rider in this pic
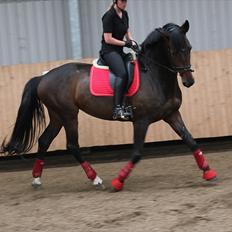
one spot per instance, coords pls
(115, 29)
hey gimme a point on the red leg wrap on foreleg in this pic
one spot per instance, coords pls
(125, 171)
(90, 172)
(37, 168)
(200, 159)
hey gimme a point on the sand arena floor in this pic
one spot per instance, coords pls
(162, 194)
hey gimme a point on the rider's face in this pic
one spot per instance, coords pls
(122, 4)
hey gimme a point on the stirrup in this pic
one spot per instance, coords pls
(128, 111)
(118, 113)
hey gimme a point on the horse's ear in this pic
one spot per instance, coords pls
(185, 27)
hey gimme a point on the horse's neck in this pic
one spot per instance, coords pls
(160, 77)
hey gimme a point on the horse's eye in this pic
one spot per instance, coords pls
(172, 52)
(183, 50)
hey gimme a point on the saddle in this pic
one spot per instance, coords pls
(102, 79)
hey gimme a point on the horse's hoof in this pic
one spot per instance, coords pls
(36, 183)
(117, 184)
(209, 175)
(100, 187)
(98, 183)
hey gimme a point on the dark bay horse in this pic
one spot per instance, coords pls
(65, 90)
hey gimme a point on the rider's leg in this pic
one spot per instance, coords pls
(115, 61)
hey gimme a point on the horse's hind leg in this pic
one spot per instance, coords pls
(71, 129)
(140, 130)
(176, 122)
(44, 142)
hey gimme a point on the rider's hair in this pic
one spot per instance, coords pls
(112, 4)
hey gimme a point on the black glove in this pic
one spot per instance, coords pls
(135, 47)
(128, 44)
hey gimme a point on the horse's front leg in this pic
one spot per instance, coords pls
(176, 122)
(140, 130)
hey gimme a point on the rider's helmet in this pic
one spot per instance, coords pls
(115, 1)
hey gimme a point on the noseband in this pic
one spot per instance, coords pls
(179, 69)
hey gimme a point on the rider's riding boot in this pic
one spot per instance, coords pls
(118, 110)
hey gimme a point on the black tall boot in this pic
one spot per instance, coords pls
(119, 89)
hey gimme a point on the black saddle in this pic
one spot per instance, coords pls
(129, 66)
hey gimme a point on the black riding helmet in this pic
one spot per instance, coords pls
(116, 1)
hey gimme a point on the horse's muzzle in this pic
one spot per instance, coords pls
(187, 78)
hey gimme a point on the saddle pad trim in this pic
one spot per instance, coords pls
(95, 64)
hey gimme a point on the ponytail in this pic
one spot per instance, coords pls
(112, 4)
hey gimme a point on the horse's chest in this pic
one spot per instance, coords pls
(171, 105)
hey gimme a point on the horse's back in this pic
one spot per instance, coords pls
(59, 84)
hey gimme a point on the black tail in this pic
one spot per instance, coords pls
(29, 123)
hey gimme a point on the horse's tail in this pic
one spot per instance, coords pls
(29, 123)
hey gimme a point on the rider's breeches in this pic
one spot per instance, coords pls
(116, 64)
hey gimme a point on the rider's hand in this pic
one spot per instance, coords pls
(128, 44)
(135, 47)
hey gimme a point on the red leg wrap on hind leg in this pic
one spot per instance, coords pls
(37, 168)
(90, 172)
(125, 171)
(200, 159)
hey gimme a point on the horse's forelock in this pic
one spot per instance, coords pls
(170, 27)
(175, 33)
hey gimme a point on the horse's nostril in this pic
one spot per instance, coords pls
(188, 83)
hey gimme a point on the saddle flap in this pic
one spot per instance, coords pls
(102, 80)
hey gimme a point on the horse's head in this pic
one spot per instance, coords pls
(177, 49)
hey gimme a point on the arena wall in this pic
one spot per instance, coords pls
(206, 108)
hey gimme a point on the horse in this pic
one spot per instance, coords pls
(64, 90)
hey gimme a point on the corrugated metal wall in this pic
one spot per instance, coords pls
(44, 30)
(210, 21)
(33, 31)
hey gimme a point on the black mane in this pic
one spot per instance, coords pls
(155, 36)
(169, 27)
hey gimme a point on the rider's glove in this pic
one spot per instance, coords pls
(128, 44)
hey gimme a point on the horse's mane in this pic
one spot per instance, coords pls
(154, 37)
(169, 27)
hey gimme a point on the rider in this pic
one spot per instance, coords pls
(115, 28)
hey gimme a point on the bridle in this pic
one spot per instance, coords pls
(173, 69)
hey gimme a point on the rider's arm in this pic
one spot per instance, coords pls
(129, 36)
(110, 40)
(107, 21)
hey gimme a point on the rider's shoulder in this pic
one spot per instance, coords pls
(109, 13)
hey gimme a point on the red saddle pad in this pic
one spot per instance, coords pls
(100, 81)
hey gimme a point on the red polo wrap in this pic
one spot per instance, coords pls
(125, 171)
(37, 168)
(90, 172)
(200, 159)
